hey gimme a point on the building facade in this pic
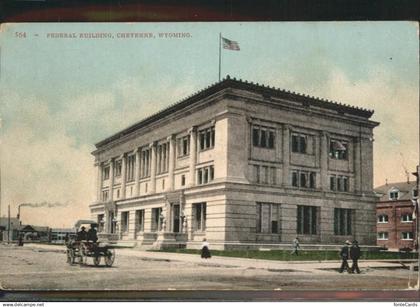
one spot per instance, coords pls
(242, 165)
(396, 223)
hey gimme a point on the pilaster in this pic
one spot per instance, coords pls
(286, 155)
(193, 154)
(171, 168)
(111, 179)
(152, 146)
(123, 175)
(324, 160)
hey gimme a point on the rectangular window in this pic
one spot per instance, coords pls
(101, 222)
(124, 221)
(407, 235)
(145, 161)
(263, 137)
(339, 183)
(131, 164)
(183, 180)
(139, 220)
(205, 174)
(382, 236)
(162, 158)
(105, 173)
(156, 219)
(338, 149)
(307, 220)
(407, 218)
(343, 221)
(299, 142)
(199, 214)
(332, 183)
(383, 218)
(268, 218)
(183, 146)
(206, 138)
(117, 168)
(393, 195)
(105, 195)
(304, 179)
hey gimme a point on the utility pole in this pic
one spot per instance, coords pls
(8, 224)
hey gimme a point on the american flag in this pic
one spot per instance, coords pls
(231, 45)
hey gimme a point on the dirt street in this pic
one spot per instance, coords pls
(35, 268)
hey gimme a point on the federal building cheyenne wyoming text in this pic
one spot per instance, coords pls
(243, 165)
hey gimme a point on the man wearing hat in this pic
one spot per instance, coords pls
(82, 234)
(355, 255)
(345, 253)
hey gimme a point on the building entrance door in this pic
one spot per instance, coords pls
(176, 221)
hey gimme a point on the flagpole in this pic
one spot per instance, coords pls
(220, 53)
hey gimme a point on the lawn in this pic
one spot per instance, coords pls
(284, 255)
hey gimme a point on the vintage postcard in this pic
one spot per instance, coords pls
(209, 156)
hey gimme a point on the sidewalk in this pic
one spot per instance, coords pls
(311, 266)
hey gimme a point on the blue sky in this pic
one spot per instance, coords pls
(59, 96)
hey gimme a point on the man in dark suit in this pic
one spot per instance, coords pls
(355, 255)
(345, 253)
(82, 234)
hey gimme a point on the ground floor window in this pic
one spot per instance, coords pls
(140, 220)
(407, 235)
(268, 218)
(307, 217)
(199, 215)
(124, 221)
(156, 220)
(382, 236)
(343, 221)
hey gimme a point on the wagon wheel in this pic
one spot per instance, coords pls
(109, 257)
(96, 260)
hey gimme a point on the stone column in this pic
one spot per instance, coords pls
(193, 154)
(137, 173)
(324, 160)
(152, 146)
(98, 166)
(171, 168)
(111, 179)
(107, 225)
(131, 224)
(286, 155)
(123, 175)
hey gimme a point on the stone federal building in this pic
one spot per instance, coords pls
(243, 165)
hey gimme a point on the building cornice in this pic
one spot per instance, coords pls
(270, 94)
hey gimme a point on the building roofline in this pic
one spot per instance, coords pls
(234, 83)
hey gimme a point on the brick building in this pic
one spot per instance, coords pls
(243, 165)
(396, 228)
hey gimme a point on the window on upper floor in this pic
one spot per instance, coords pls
(383, 218)
(393, 195)
(268, 218)
(265, 174)
(339, 183)
(183, 145)
(299, 143)
(415, 193)
(206, 138)
(338, 149)
(105, 195)
(117, 168)
(263, 137)
(131, 164)
(145, 160)
(303, 179)
(205, 174)
(382, 236)
(343, 221)
(105, 172)
(162, 158)
(407, 235)
(407, 218)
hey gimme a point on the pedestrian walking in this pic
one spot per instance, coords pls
(355, 255)
(205, 250)
(296, 247)
(345, 253)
